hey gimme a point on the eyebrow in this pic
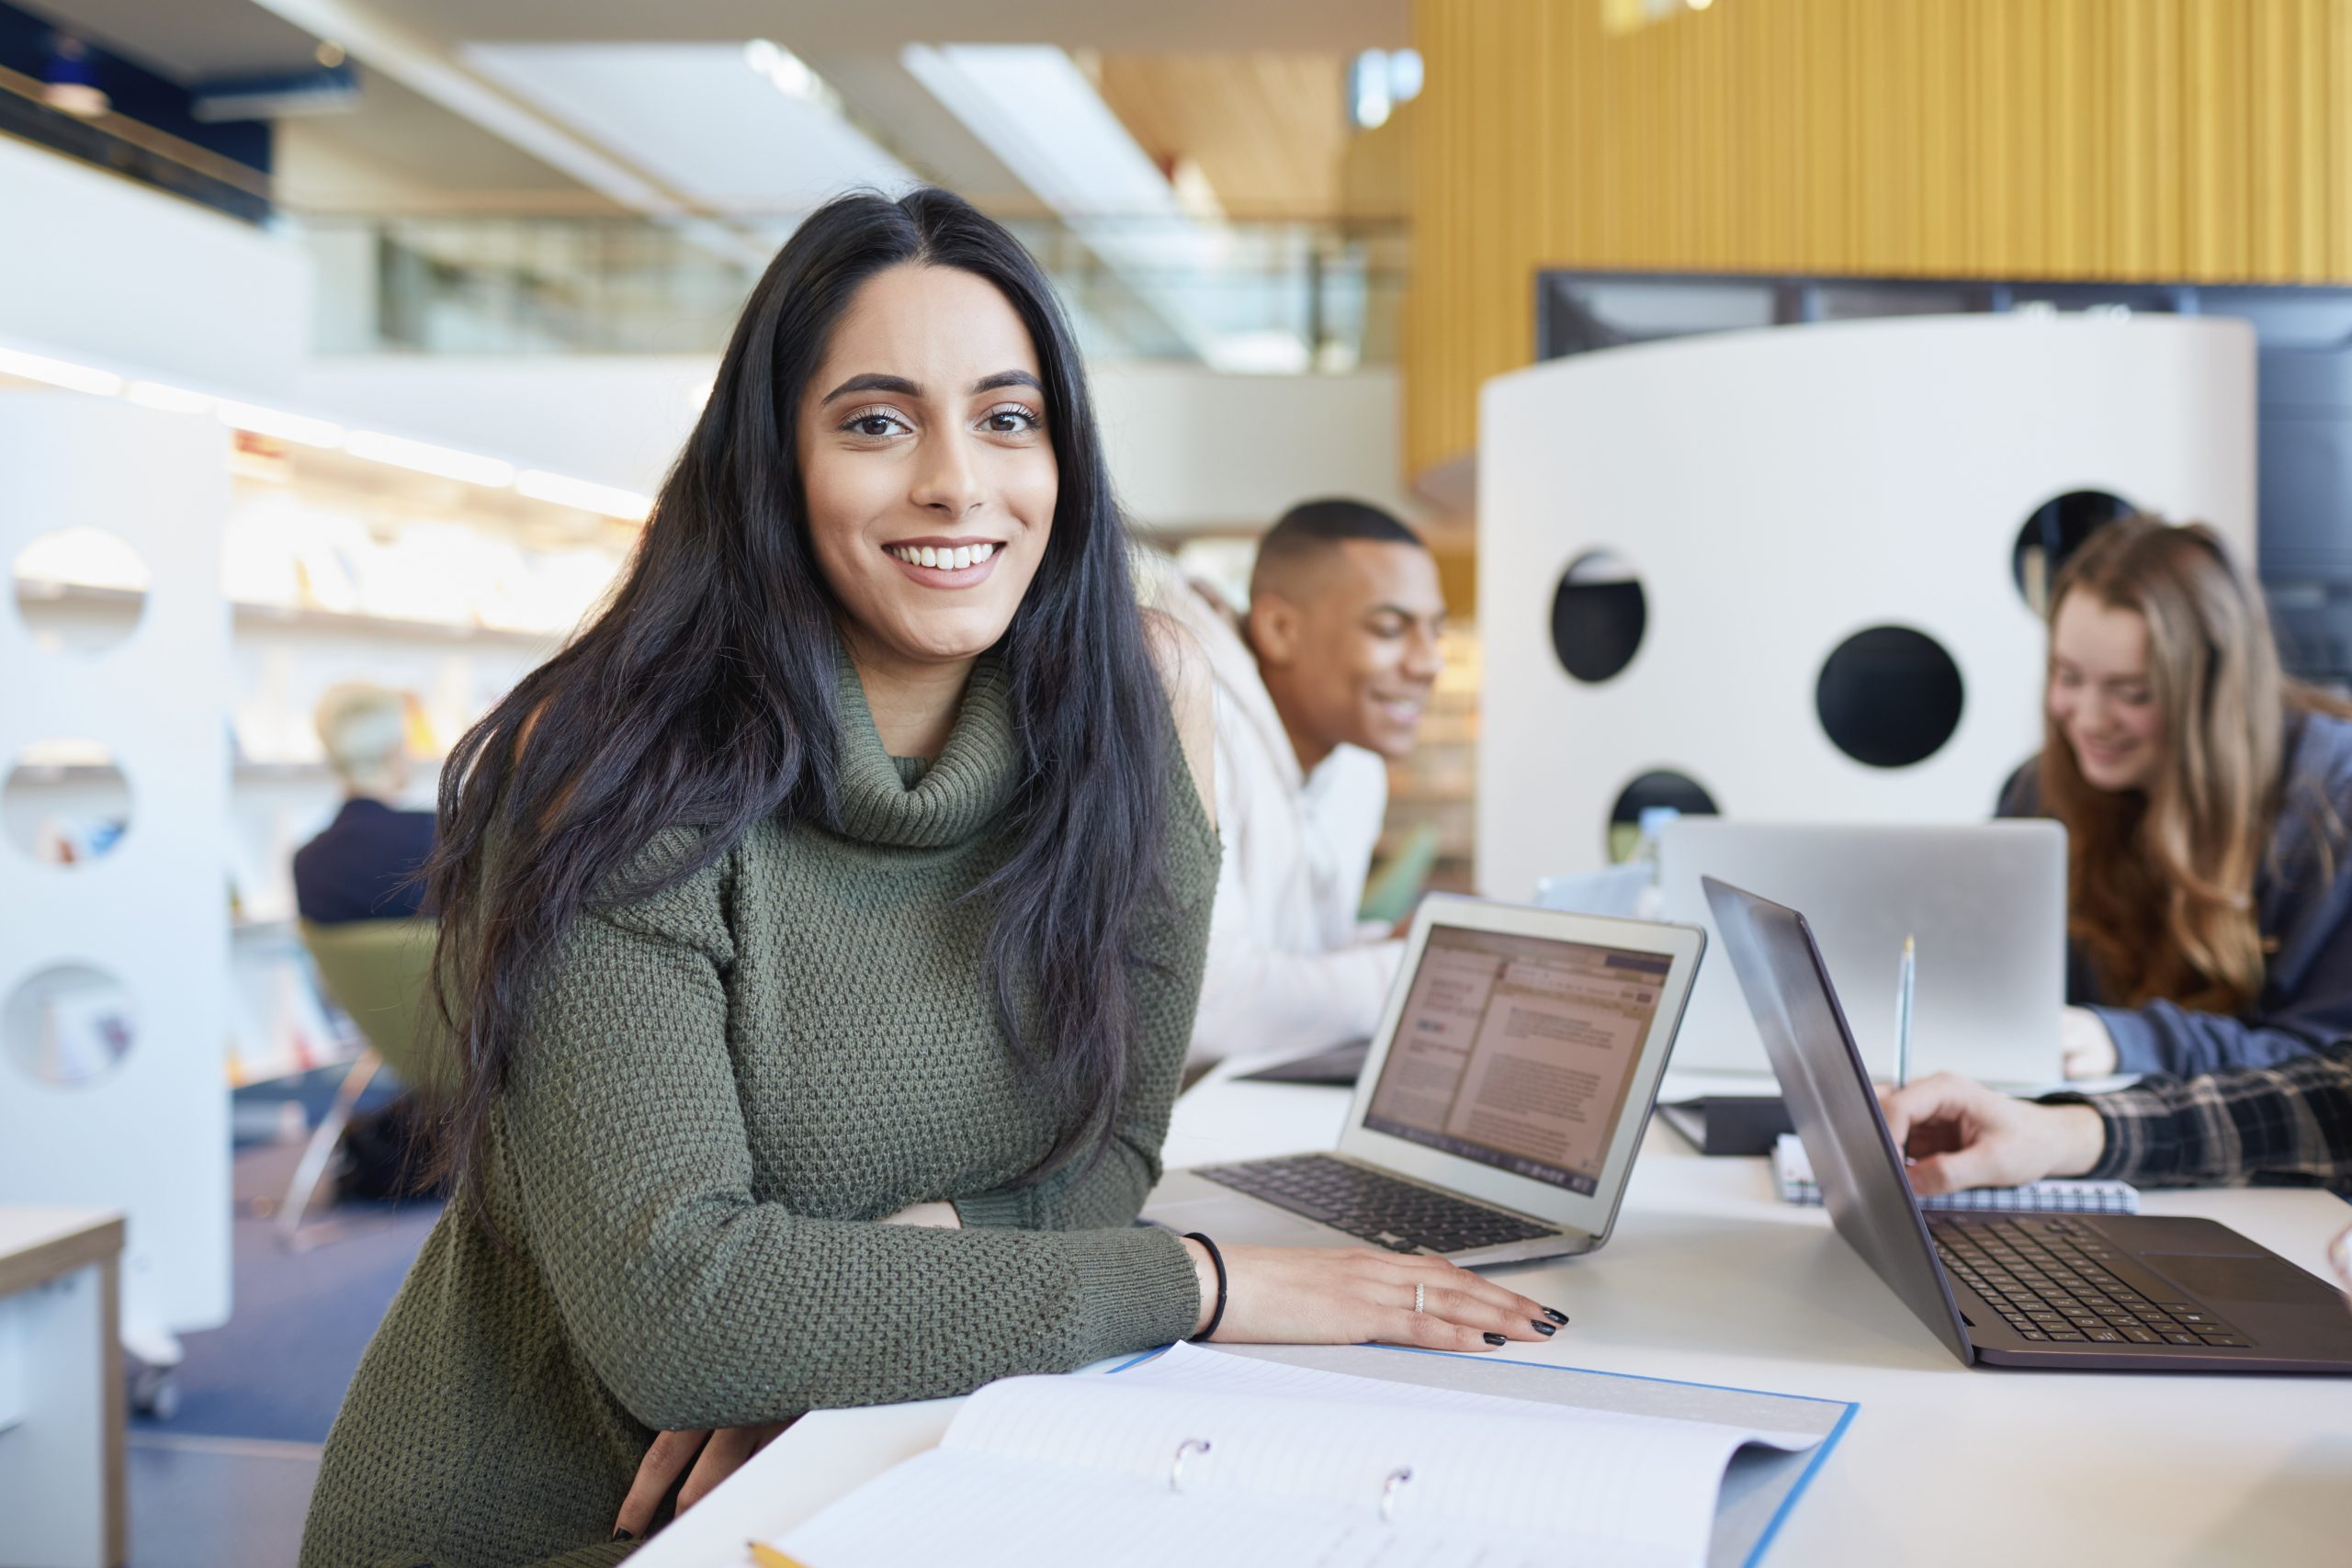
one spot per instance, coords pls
(902, 386)
(1408, 615)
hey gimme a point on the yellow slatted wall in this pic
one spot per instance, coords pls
(2204, 141)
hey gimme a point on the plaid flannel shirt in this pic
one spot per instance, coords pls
(2291, 1123)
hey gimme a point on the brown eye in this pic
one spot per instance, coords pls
(1009, 419)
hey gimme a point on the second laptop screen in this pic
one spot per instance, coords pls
(1517, 1052)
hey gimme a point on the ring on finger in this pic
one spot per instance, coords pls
(1420, 1297)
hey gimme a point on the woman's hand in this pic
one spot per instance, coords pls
(715, 1456)
(1315, 1295)
(1959, 1134)
(2085, 1050)
(718, 1455)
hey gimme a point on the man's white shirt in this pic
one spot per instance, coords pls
(1286, 969)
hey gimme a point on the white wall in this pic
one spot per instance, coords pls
(1190, 447)
(617, 421)
(151, 1136)
(1775, 492)
(99, 268)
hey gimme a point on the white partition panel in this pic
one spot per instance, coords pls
(148, 1135)
(1775, 492)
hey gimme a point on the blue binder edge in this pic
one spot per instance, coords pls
(1772, 1530)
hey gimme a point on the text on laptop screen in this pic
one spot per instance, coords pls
(1518, 1052)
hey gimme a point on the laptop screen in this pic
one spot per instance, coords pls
(1518, 1052)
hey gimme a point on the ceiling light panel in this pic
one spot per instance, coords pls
(736, 139)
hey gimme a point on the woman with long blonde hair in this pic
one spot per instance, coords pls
(2208, 806)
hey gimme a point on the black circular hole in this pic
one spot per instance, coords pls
(2055, 530)
(1598, 613)
(1664, 787)
(1889, 697)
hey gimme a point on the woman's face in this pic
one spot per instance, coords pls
(926, 466)
(2100, 696)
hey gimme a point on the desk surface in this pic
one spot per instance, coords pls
(39, 1244)
(1710, 1278)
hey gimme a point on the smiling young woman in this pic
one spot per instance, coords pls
(821, 932)
(2208, 806)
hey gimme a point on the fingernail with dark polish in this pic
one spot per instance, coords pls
(1545, 1329)
(619, 1534)
(1555, 1314)
(1496, 1340)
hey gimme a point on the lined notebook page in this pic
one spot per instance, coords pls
(1314, 1448)
(980, 1510)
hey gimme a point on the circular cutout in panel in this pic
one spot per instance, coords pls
(1598, 615)
(68, 1025)
(2054, 531)
(1661, 787)
(80, 591)
(1889, 697)
(64, 802)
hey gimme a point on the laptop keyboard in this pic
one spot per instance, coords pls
(2049, 1280)
(1379, 1209)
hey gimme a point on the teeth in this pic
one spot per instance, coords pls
(954, 559)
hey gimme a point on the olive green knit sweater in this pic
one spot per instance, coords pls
(723, 1088)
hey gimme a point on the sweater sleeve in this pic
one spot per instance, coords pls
(2293, 1121)
(1261, 995)
(624, 1144)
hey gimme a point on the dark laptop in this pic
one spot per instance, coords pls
(2093, 1293)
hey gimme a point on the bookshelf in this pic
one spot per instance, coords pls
(331, 568)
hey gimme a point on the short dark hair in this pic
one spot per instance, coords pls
(1313, 525)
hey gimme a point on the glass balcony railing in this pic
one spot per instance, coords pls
(1260, 296)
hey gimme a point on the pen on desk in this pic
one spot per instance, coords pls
(767, 1556)
(1903, 1011)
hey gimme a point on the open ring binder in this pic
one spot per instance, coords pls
(1184, 1450)
(1392, 1484)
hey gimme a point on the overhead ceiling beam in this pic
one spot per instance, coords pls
(427, 66)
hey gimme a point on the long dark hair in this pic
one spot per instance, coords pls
(702, 698)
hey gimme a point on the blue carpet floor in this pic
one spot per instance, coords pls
(278, 1370)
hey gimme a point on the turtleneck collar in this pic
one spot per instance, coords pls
(905, 804)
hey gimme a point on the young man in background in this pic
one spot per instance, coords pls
(1318, 688)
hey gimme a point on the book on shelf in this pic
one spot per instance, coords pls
(1264, 1455)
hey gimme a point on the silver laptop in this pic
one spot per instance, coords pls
(1986, 904)
(1501, 1102)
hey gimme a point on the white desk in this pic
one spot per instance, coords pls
(60, 1388)
(1710, 1278)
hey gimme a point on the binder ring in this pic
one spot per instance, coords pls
(1184, 1450)
(1388, 1490)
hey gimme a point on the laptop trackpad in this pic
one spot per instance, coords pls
(2235, 1278)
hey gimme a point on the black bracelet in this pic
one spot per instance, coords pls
(1216, 1259)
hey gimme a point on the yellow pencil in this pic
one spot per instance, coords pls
(769, 1557)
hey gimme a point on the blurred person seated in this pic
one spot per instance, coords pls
(1319, 687)
(363, 866)
(2208, 806)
